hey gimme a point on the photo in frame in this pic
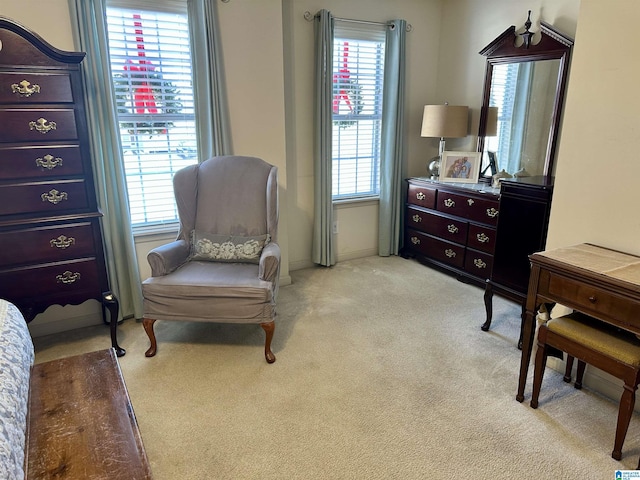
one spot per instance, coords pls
(460, 167)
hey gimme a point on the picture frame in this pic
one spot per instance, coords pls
(460, 167)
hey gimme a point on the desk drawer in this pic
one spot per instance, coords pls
(473, 208)
(478, 263)
(588, 299)
(482, 238)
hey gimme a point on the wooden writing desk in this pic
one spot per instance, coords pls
(599, 282)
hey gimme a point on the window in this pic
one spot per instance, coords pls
(151, 70)
(358, 67)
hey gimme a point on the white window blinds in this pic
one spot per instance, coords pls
(151, 71)
(358, 68)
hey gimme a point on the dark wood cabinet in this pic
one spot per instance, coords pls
(51, 249)
(525, 206)
(452, 226)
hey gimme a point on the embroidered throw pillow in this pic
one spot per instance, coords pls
(227, 248)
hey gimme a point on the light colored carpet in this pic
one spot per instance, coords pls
(382, 372)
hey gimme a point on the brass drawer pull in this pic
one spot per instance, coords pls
(62, 242)
(479, 263)
(593, 299)
(49, 161)
(450, 253)
(452, 228)
(420, 196)
(25, 89)
(68, 277)
(449, 203)
(492, 212)
(417, 218)
(415, 240)
(42, 125)
(482, 238)
(54, 196)
(470, 201)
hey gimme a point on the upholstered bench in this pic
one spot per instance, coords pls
(595, 343)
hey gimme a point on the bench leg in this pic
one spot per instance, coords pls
(627, 402)
(147, 323)
(580, 374)
(567, 371)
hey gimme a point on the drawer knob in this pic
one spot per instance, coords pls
(420, 196)
(49, 162)
(449, 203)
(415, 240)
(452, 228)
(68, 277)
(479, 263)
(450, 253)
(42, 125)
(482, 238)
(470, 201)
(492, 212)
(54, 196)
(417, 218)
(593, 299)
(62, 242)
(25, 89)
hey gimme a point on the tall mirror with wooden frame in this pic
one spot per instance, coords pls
(524, 89)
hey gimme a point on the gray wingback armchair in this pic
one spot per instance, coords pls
(224, 265)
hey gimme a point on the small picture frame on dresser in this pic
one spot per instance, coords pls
(460, 167)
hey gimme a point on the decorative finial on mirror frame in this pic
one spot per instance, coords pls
(527, 35)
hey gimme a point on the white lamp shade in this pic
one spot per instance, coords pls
(445, 121)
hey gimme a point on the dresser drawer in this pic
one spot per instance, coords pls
(28, 87)
(46, 244)
(445, 252)
(478, 263)
(50, 279)
(452, 229)
(482, 238)
(40, 161)
(422, 196)
(37, 125)
(588, 299)
(473, 208)
(50, 198)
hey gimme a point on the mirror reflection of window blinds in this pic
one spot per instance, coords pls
(503, 95)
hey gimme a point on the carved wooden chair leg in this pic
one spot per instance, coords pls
(268, 329)
(147, 323)
(627, 402)
(567, 371)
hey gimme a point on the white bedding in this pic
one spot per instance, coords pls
(16, 359)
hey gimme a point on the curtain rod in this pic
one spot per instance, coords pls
(308, 16)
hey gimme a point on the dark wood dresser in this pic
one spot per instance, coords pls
(51, 249)
(452, 226)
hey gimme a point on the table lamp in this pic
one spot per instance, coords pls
(443, 121)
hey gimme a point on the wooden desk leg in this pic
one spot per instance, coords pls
(488, 306)
(528, 331)
(110, 302)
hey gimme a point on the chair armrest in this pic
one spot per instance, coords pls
(269, 268)
(166, 258)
